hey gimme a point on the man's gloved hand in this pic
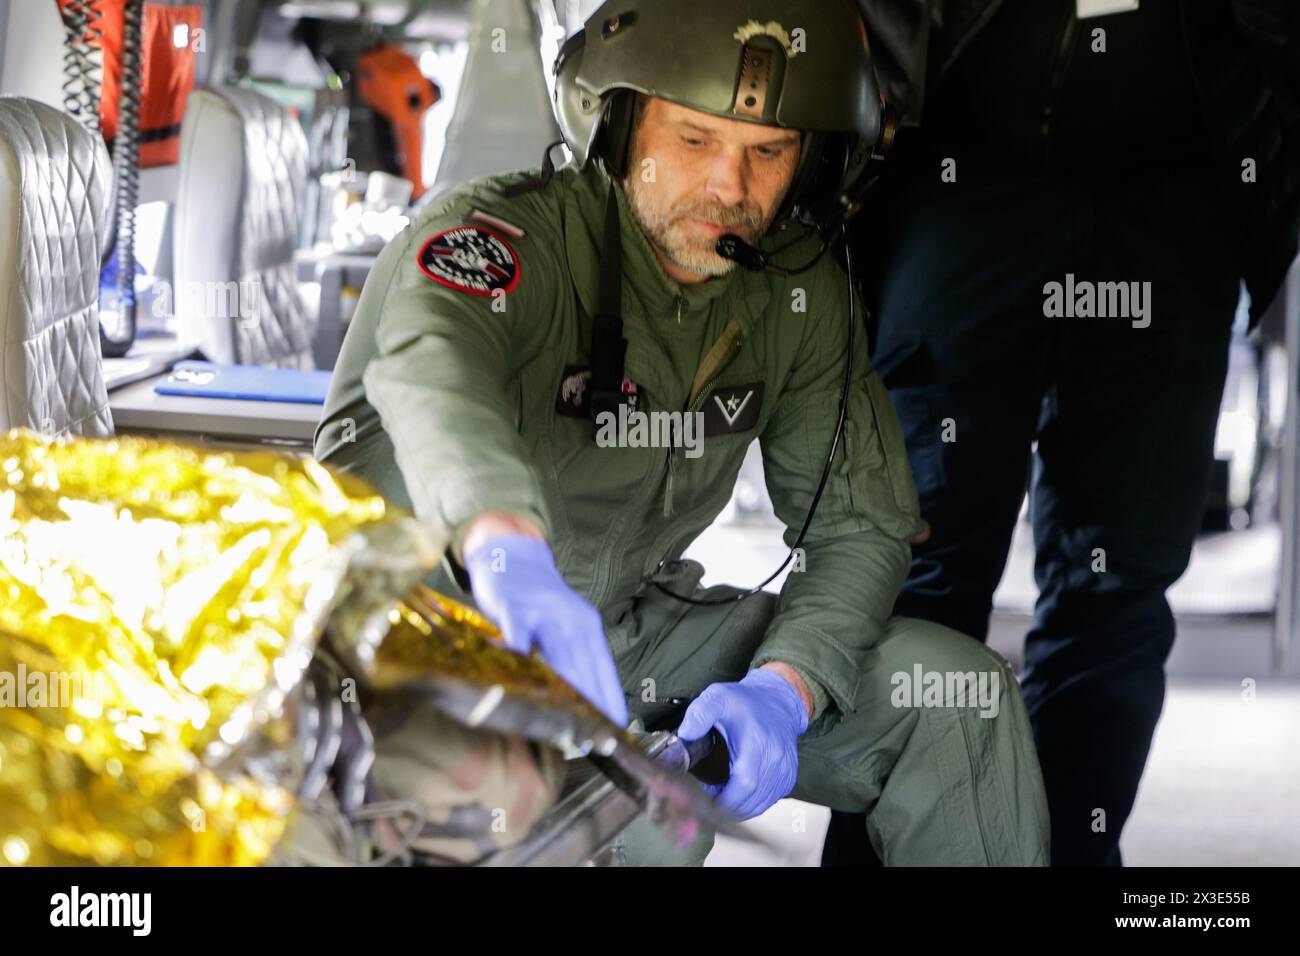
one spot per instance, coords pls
(760, 718)
(515, 582)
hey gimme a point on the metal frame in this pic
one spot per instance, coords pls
(592, 812)
(1286, 629)
(4, 32)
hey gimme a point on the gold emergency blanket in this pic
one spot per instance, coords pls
(157, 603)
(430, 633)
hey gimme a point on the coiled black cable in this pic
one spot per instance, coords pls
(126, 174)
(82, 76)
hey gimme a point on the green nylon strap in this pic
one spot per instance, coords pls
(716, 359)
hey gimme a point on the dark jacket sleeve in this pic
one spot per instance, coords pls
(1272, 28)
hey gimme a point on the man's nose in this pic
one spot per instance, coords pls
(728, 177)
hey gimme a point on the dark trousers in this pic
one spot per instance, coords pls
(1111, 425)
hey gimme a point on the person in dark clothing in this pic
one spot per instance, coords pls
(1055, 260)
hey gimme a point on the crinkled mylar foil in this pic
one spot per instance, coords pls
(430, 633)
(158, 601)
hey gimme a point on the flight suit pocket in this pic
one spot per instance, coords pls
(552, 442)
(880, 476)
(533, 383)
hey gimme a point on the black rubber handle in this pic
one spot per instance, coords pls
(701, 748)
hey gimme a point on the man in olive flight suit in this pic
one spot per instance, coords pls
(467, 385)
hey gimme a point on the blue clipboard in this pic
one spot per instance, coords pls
(245, 382)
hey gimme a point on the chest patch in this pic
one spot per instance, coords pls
(574, 397)
(732, 409)
(471, 259)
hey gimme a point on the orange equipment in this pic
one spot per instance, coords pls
(392, 85)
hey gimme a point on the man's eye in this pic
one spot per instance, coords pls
(770, 152)
(689, 141)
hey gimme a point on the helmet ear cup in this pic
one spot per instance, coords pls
(832, 184)
(580, 115)
(605, 134)
(614, 137)
(812, 154)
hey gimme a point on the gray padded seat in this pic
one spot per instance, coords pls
(243, 171)
(55, 183)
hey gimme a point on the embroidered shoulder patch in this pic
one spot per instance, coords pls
(472, 259)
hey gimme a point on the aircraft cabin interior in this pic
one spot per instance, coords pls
(192, 198)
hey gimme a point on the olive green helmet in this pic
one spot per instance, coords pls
(796, 64)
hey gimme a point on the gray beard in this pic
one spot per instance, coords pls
(665, 234)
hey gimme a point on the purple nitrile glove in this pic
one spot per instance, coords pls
(515, 582)
(760, 718)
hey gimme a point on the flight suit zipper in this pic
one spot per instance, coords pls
(714, 364)
(668, 489)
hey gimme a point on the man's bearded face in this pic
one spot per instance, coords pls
(688, 166)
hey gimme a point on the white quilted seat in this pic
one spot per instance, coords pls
(243, 171)
(55, 183)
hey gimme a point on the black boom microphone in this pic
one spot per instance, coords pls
(731, 246)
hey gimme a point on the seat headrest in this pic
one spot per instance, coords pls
(243, 174)
(55, 224)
